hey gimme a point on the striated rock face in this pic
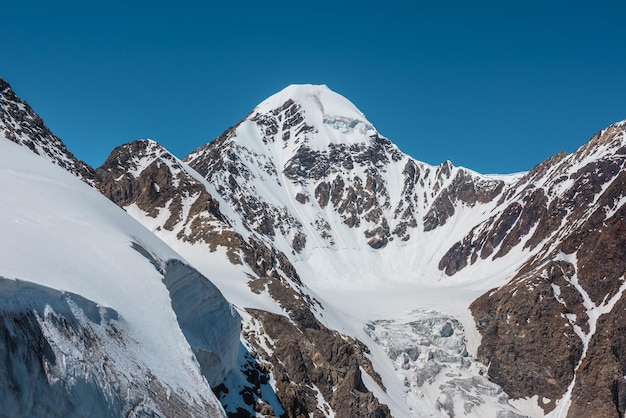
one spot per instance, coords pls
(464, 188)
(548, 203)
(20, 124)
(146, 176)
(318, 362)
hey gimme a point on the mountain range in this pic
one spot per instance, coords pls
(301, 265)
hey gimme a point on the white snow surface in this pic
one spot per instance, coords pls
(318, 101)
(61, 233)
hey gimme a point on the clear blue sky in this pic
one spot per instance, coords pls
(494, 86)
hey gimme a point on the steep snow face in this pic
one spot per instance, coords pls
(62, 234)
(308, 173)
(333, 118)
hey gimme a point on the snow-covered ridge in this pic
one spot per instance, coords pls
(60, 233)
(20, 124)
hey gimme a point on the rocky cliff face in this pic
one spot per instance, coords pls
(554, 330)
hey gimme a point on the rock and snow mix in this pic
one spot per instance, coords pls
(312, 223)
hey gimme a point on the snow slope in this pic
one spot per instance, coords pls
(60, 234)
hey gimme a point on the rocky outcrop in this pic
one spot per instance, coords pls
(527, 338)
(144, 174)
(20, 124)
(465, 188)
(547, 204)
(317, 363)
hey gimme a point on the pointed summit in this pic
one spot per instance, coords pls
(311, 115)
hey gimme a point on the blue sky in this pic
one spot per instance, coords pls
(493, 86)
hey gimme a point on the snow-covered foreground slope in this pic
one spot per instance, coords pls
(96, 314)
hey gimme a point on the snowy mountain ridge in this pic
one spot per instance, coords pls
(102, 294)
(372, 284)
(20, 124)
(313, 176)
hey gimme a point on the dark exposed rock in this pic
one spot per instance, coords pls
(465, 188)
(528, 325)
(536, 216)
(600, 388)
(517, 324)
(319, 357)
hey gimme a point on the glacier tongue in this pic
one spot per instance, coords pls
(429, 356)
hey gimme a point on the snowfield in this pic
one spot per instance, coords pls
(60, 234)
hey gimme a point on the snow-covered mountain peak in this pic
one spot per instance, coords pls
(311, 116)
(314, 99)
(306, 171)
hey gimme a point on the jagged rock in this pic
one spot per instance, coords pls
(20, 124)
(321, 359)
